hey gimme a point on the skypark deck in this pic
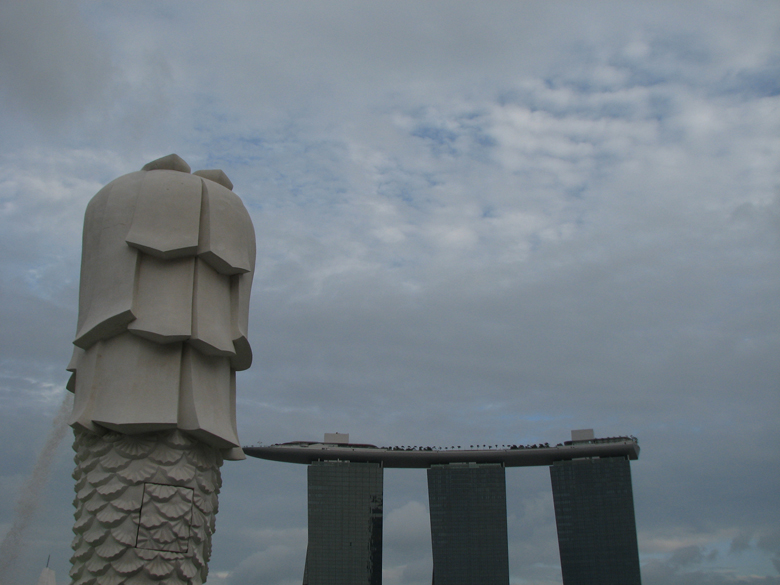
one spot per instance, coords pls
(305, 452)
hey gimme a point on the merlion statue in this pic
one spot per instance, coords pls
(166, 273)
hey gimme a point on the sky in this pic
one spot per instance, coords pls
(477, 222)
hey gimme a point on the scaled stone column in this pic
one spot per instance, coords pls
(166, 273)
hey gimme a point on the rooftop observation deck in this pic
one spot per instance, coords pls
(306, 452)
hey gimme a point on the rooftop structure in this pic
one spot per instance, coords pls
(306, 452)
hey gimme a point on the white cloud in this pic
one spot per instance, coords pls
(53, 64)
(280, 555)
(408, 529)
(475, 224)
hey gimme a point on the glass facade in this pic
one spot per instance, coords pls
(594, 511)
(468, 524)
(345, 524)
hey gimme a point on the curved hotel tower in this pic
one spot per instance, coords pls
(591, 482)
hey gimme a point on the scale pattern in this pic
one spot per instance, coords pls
(145, 508)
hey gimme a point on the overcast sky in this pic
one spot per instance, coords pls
(477, 222)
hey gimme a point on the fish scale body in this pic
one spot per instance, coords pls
(146, 507)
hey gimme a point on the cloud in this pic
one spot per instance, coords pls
(278, 554)
(533, 540)
(770, 542)
(690, 555)
(52, 63)
(407, 530)
(655, 573)
(741, 543)
(476, 224)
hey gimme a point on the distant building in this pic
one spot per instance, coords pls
(594, 513)
(591, 482)
(47, 577)
(468, 524)
(345, 524)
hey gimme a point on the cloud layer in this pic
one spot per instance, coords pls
(476, 224)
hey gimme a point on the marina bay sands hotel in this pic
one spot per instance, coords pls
(591, 485)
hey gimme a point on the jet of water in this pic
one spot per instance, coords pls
(30, 496)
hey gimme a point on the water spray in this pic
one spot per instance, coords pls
(30, 496)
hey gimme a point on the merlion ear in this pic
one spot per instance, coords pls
(172, 162)
(216, 175)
